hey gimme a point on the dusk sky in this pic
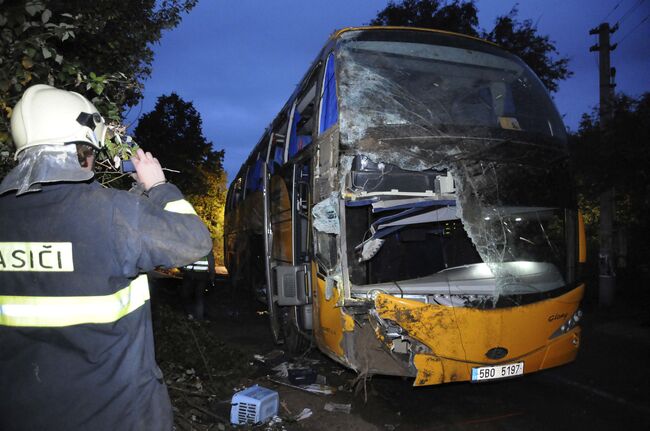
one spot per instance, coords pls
(238, 61)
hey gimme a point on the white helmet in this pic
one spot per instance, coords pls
(47, 115)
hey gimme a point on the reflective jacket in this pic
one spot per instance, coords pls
(76, 344)
(198, 266)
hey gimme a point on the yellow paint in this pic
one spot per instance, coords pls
(430, 370)
(459, 337)
(582, 239)
(330, 322)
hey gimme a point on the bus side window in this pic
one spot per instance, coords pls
(329, 111)
(254, 177)
(302, 124)
(237, 192)
(278, 141)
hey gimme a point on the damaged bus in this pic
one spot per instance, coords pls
(410, 212)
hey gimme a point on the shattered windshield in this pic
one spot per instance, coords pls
(417, 88)
(512, 233)
(457, 169)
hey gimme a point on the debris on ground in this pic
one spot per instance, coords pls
(199, 370)
(273, 358)
(301, 375)
(254, 405)
(314, 388)
(304, 414)
(338, 408)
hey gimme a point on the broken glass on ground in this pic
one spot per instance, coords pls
(338, 408)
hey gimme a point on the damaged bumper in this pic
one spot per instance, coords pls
(451, 341)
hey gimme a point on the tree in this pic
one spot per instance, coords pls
(616, 155)
(457, 16)
(116, 37)
(101, 49)
(210, 207)
(461, 16)
(173, 133)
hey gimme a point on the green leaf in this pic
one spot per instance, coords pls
(46, 52)
(45, 17)
(58, 58)
(33, 7)
(99, 88)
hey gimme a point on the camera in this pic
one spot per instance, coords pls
(127, 166)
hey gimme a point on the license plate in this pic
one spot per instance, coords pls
(497, 371)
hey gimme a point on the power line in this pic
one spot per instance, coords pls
(632, 31)
(629, 11)
(612, 11)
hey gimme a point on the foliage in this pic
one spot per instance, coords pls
(616, 154)
(173, 133)
(210, 206)
(461, 16)
(101, 49)
(117, 36)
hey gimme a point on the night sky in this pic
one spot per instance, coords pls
(238, 61)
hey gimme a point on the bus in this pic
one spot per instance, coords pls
(410, 211)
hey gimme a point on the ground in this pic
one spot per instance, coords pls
(206, 362)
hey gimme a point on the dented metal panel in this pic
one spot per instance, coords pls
(459, 338)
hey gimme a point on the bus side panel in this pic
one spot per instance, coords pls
(329, 321)
(460, 337)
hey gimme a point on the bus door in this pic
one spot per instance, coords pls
(278, 233)
(302, 313)
(287, 245)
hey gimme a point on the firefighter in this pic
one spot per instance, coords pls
(77, 348)
(196, 277)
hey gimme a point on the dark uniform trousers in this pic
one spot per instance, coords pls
(76, 343)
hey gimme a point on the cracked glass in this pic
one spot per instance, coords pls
(418, 108)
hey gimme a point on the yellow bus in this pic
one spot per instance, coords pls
(410, 211)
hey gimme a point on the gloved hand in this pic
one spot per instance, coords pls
(149, 171)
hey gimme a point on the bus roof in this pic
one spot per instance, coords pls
(333, 37)
(338, 33)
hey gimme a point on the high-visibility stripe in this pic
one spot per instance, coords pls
(57, 311)
(197, 268)
(201, 265)
(180, 206)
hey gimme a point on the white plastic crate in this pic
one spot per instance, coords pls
(254, 405)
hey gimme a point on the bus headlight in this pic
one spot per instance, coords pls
(568, 325)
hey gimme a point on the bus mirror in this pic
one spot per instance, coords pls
(291, 283)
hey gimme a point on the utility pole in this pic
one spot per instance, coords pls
(607, 274)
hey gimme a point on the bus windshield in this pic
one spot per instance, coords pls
(430, 106)
(499, 238)
(417, 88)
